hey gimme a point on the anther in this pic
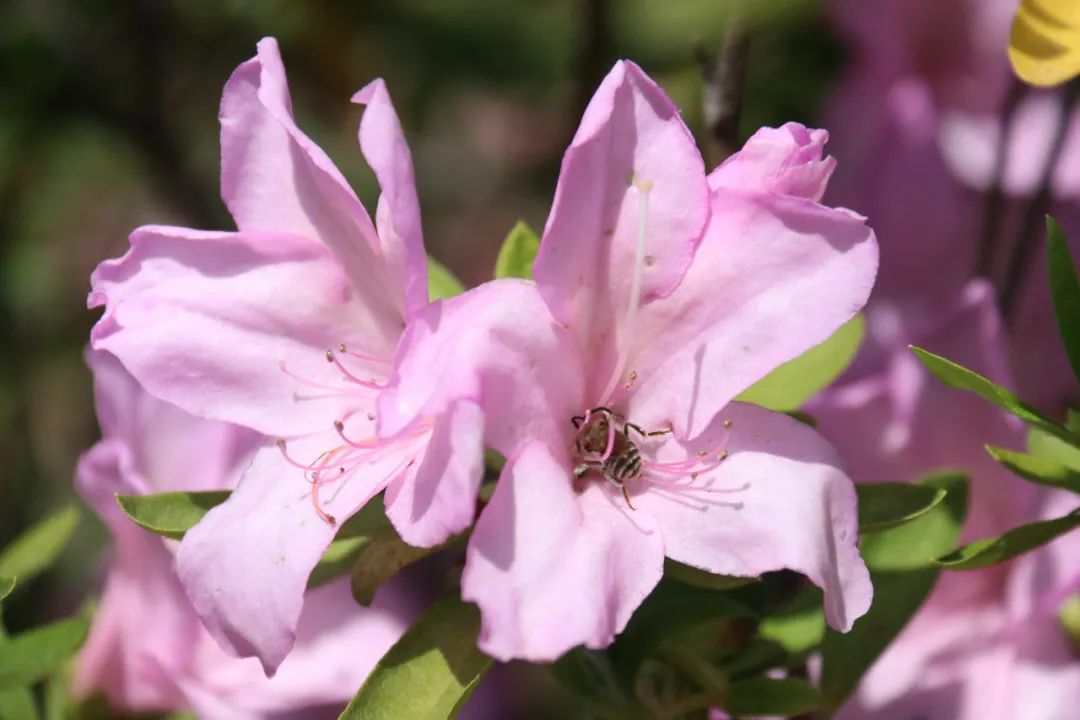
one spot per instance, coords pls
(721, 456)
(727, 424)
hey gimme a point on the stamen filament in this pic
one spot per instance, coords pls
(332, 358)
(627, 331)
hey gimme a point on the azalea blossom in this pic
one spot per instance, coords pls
(286, 326)
(147, 650)
(987, 643)
(660, 294)
(945, 149)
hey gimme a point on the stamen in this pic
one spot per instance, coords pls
(311, 383)
(333, 359)
(326, 517)
(285, 453)
(610, 441)
(363, 444)
(362, 356)
(627, 330)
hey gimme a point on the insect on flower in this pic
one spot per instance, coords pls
(602, 445)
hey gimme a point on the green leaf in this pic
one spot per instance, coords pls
(170, 514)
(1049, 447)
(441, 282)
(591, 678)
(1069, 616)
(901, 570)
(960, 377)
(703, 578)
(35, 550)
(17, 704)
(1037, 469)
(885, 505)
(789, 386)
(670, 608)
(799, 626)
(382, 556)
(27, 658)
(1065, 289)
(430, 672)
(354, 535)
(518, 253)
(6, 586)
(1019, 540)
(768, 696)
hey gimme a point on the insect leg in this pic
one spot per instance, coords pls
(647, 433)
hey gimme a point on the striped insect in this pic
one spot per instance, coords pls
(603, 444)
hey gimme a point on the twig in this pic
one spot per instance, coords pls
(723, 79)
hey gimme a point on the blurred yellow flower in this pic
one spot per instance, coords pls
(1044, 46)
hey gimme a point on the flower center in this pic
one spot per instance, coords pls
(611, 446)
(339, 463)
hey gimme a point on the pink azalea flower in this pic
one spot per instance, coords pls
(985, 639)
(147, 650)
(661, 294)
(286, 326)
(923, 130)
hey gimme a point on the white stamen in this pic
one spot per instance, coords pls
(643, 187)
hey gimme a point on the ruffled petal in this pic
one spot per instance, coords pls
(245, 565)
(439, 499)
(235, 326)
(397, 217)
(788, 160)
(551, 566)
(773, 277)
(778, 500)
(630, 138)
(274, 177)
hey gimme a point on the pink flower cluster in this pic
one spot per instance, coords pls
(661, 292)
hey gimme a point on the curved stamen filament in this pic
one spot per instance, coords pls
(362, 356)
(311, 383)
(610, 441)
(332, 358)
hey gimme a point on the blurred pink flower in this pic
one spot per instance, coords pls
(945, 150)
(969, 652)
(660, 294)
(147, 649)
(287, 327)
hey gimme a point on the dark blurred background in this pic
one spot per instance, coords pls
(108, 120)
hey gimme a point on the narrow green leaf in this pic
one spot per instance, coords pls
(518, 253)
(703, 578)
(1047, 446)
(1019, 540)
(1065, 289)
(382, 556)
(1069, 617)
(430, 672)
(885, 505)
(901, 570)
(35, 550)
(170, 514)
(789, 386)
(960, 377)
(768, 696)
(6, 586)
(1037, 469)
(17, 704)
(27, 658)
(590, 677)
(441, 282)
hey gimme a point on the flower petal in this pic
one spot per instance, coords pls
(206, 320)
(551, 567)
(398, 215)
(439, 499)
(773, 277)
(274, 177)
(787, 160)
(245, 565)
(497, 345)
(779, 500)
(631, 135)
